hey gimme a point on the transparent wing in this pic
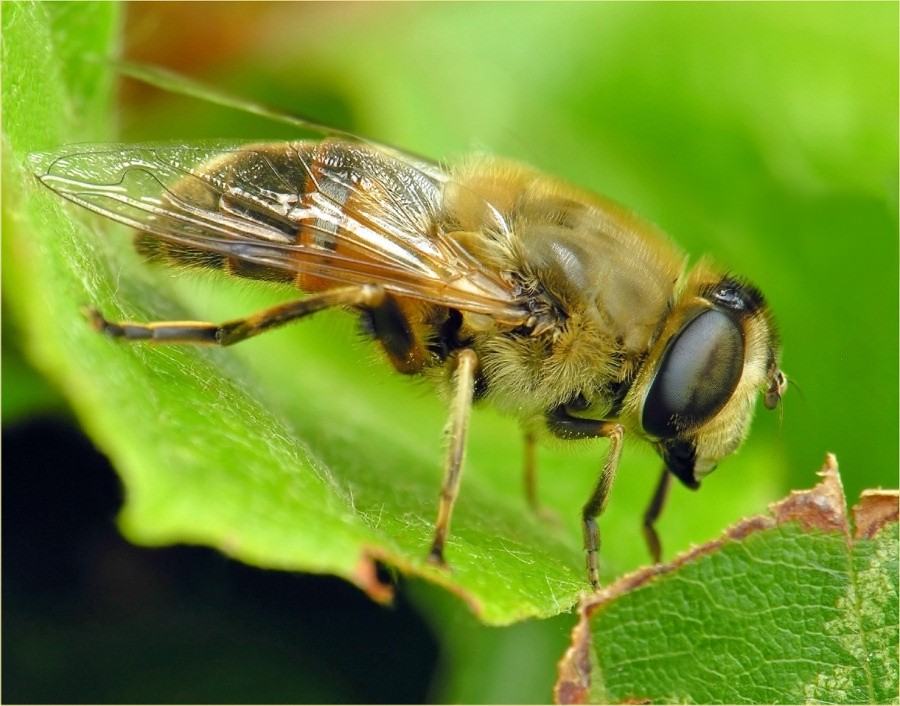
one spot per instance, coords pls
(173, 82)
(337, 210)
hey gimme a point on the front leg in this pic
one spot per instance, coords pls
(566, 426)
(651, 515)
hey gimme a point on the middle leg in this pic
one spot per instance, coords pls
(463, 391)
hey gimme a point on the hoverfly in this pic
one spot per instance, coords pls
(498, 283)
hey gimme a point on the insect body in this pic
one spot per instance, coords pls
(496, 282)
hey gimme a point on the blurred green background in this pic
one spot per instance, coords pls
(764, 135)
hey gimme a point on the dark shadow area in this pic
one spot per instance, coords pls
(88, 617)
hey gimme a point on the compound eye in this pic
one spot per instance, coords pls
(700, 370)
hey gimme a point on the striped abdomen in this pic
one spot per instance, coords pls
(329, 208)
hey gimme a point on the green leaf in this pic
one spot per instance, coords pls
(40, 113)
(210, 449)
(789, 609)
(300, 450)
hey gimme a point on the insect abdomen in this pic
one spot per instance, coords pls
(155, 250)
(305, 194)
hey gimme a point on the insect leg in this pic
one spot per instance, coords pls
(463, 390)
(654, 510)
(530, 478)
(230, 332)
(597, 502)
(566, 426)
(531, 473)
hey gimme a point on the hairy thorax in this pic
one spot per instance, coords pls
(609, 276)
